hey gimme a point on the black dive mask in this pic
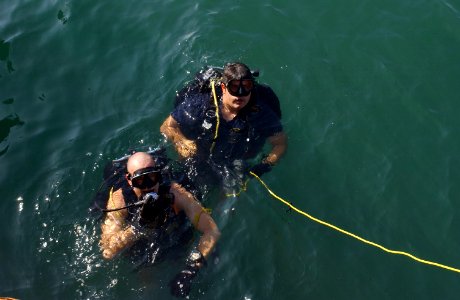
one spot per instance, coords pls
(240, 88)
(145, 178)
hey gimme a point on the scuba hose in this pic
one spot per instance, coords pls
(147, 198)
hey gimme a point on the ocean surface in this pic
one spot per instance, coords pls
(370, 97)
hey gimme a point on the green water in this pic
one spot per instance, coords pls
(369, 93)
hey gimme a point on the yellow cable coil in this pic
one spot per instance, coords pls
(242, 189)
(353, 235)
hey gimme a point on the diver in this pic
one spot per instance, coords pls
(227, 124)
(147, 207)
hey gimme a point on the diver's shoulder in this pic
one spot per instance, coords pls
(194, 99)
(267, 99)
(116, 199)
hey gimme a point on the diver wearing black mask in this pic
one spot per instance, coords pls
(147, 204)
(231, 121)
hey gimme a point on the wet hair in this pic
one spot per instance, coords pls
(236, 70)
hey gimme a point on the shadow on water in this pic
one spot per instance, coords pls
(6, 124)
(5, 55)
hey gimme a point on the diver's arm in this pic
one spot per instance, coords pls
(196, 213)
(115, 237)
(181, 283)
(171, 129)
(278, 142)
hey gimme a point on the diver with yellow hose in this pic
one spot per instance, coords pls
(222, 121)
(148, 211)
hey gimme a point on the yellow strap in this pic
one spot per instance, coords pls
(113, 202)
(197, 217)
(110, 196)
(216, 133)
(423, 261)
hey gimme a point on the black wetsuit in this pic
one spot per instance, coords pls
(173, 233)
(241, 138)
(238, 140)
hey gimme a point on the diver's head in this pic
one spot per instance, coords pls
(237, 85)
(237, 79)
(143, 175)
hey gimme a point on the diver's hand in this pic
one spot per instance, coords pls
(186, 148)
(182, 282)
(261, 168)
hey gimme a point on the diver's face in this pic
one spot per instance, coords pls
(144, 179)
(232, 100)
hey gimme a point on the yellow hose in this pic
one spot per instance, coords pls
(423, 261)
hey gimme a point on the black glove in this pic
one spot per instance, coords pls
(148, 211)
(182, 282)
(261, 168)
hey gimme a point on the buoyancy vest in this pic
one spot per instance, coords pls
(241, 139)
(163, 211)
